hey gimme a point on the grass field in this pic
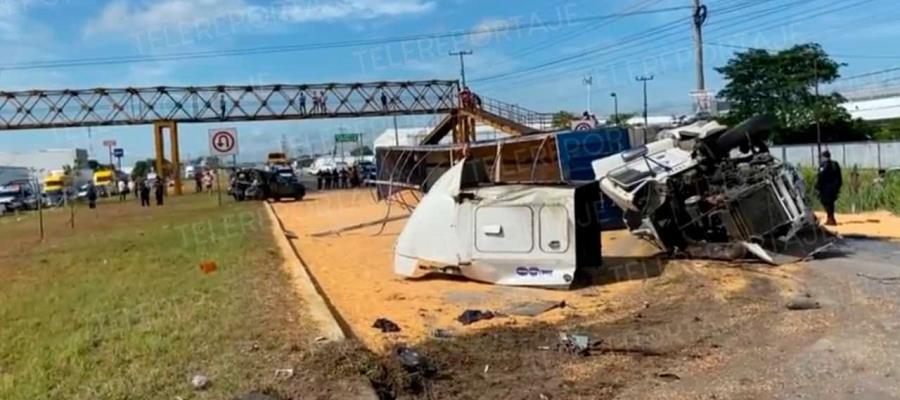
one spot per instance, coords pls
(871, 194)
(118, 307)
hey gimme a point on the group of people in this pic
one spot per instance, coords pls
(204, 180)
(319, 100)
(140, 187)
(343, 178)
(143, 187)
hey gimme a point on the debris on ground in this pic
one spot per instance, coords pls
(804, 302)
(668, 376)
(200, 382)
(290, 235)
(574, 344)
(414, 362)
(284, 373)
(208, 267)
(533, 308)
(469, 317)
(442, 334)
(893, 280)
(386, 325)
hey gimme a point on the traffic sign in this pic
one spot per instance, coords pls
(223, 142)
(109, 143)
(119, 152)
(583, 126)
(346, 138)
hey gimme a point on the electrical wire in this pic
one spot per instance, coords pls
(67, 63)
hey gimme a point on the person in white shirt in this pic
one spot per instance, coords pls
(123, 190)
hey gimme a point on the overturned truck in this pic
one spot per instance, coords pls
(705, 191)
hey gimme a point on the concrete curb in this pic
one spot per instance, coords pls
(331, 325)
(321, 311)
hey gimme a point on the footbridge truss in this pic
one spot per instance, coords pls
(42, 109)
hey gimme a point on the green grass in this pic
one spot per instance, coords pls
(119, 309)
(870, 196)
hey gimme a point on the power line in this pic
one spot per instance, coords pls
(66, 63)
(755, 18)
(655, 34)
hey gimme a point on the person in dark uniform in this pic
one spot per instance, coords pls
(319, 178)
(145, 193)
(92, 195)
(160, 188)
(327, 174)
(344, 178)
(828, 185)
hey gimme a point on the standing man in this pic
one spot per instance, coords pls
(384, 101)
(160, 189)
(92, 196)
(302, 103)
(145, 193)
(123, 190)
(828, 185)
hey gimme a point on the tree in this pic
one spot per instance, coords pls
(563, 119)
(621, 118)
(782, 84)
(142, 168)
(888, 130)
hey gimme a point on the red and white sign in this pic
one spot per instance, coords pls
(582, 125)
(109, 143)
(223, 142)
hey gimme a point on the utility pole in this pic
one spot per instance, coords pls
(644, 79)
(816, 111)
(699, 20)
(462, 63)
(615, 107)
(589, 82)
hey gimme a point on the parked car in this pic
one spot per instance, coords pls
(259, 184)
(21, 194)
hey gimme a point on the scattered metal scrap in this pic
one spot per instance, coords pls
(469, 317)
(339, 231)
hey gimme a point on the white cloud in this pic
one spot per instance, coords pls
(353, 9)
(120, 16)
(123, 16)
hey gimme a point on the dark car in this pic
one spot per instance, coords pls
(283, 183)
(19, 195)
(259, 184)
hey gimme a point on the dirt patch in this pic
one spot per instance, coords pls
(879, 224)
(690, 318)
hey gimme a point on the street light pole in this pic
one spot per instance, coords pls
(615, 108)
(462, 63)
(816, 111)
(589, 82)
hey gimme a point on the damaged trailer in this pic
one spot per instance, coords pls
(705, 191)
(515, 234)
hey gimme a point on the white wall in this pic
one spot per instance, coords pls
(873, 155)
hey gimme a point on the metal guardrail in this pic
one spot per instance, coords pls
(522, 115)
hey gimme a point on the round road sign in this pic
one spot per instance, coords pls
(584, 126)
(223, 141)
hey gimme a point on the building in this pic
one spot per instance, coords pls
(42, 162)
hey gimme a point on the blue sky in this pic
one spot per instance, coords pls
(503, 66)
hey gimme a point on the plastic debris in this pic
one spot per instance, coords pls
(574, 344)
(200, 382)
(415, 362)
(208, 267)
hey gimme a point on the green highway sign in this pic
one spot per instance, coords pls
(347, 137)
